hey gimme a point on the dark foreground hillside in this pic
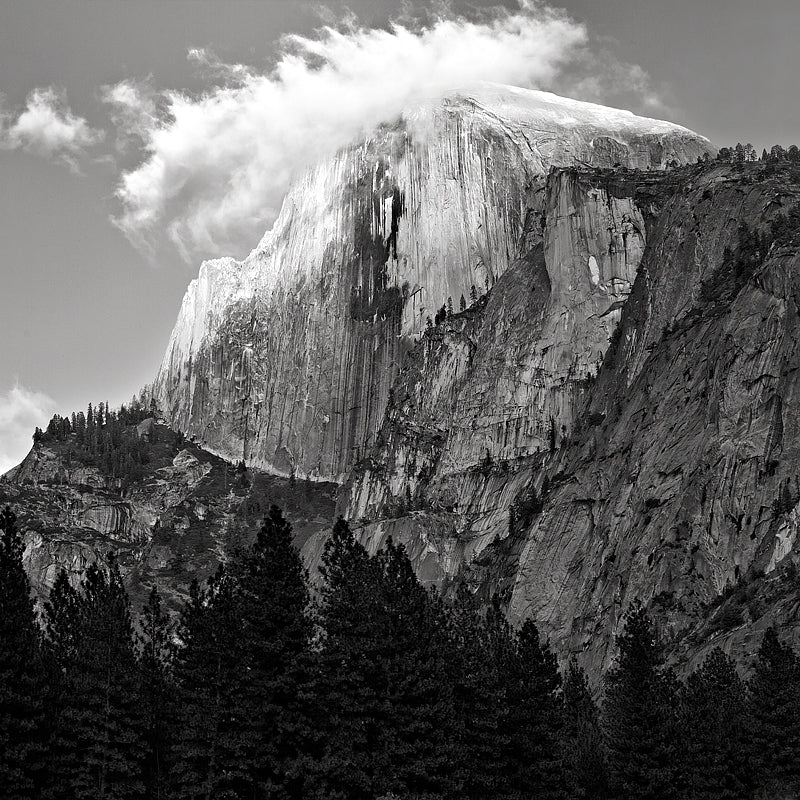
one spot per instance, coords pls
(376, 691)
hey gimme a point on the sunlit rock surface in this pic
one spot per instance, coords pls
(655, 456)
(286, 359)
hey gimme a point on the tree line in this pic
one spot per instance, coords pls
(376, 688)
(103, 438)
(740, 153)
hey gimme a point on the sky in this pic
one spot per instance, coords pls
(138, 137)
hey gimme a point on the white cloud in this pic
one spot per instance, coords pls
(47, 127)
(215, 167)
(21, 411)
(134, 110)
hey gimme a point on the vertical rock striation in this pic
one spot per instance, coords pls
(636, 375)
(286, 359)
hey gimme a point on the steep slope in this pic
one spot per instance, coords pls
(687, 480)
(650, 458)
(286, 359)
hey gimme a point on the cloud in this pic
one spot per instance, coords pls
(21, 411)
(134, 110)
(47, 127)
(216, 166)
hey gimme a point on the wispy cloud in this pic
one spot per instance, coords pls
(134, 110)
(21, 411)
(215, 167)
(47, 127)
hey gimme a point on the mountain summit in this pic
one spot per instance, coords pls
(286, 359)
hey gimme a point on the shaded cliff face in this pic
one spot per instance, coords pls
(287, 358)
(637, 374)
(173, 524)
(683, 478)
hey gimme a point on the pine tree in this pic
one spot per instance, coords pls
(156, 654)
(209, 756)
(62, 619)
(639, 714)
(348, 679)
(107, 715)
(276, 635)
(418, 702)
(22, 746)
(480, 736)
(534, 719)
(775, 714)
(713, 744)
(382, 676)
(98, 739)
(462, 303)
(584, 751)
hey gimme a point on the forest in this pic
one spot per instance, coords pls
(366, 685)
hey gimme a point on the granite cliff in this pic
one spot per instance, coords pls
(610, 415)
(286, 359)
(617, 419)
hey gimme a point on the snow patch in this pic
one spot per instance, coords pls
(594, 270)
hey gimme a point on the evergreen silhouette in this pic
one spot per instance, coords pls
(22, 745)
(209, 756)
(775, 715)
(350, 680)
(276, 634)
(714, 752)
(533, 719)
(584, 750)
(479, 648)
(382, 676)
(639, 714)
(98, 742)
(418, 699)
(156, 653)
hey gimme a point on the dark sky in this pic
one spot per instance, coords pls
(85, 316)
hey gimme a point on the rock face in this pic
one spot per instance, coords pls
(286, 359)
(174, 523)
(682, 478)
(617, 420)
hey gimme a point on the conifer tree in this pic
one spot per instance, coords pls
(209, 756)
(639, 714)
(156, 654)
(97, 745)
(348, 675)
(775, 713)
(534, 718)
(382, 676)
(713, 745)
(416, 731)
(584, 751)
(276, 635)
(22, 746)
(478, 648)
(62, 619)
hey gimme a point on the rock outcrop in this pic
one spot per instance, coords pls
(636, 371)
(174, 523)
(286, 359)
